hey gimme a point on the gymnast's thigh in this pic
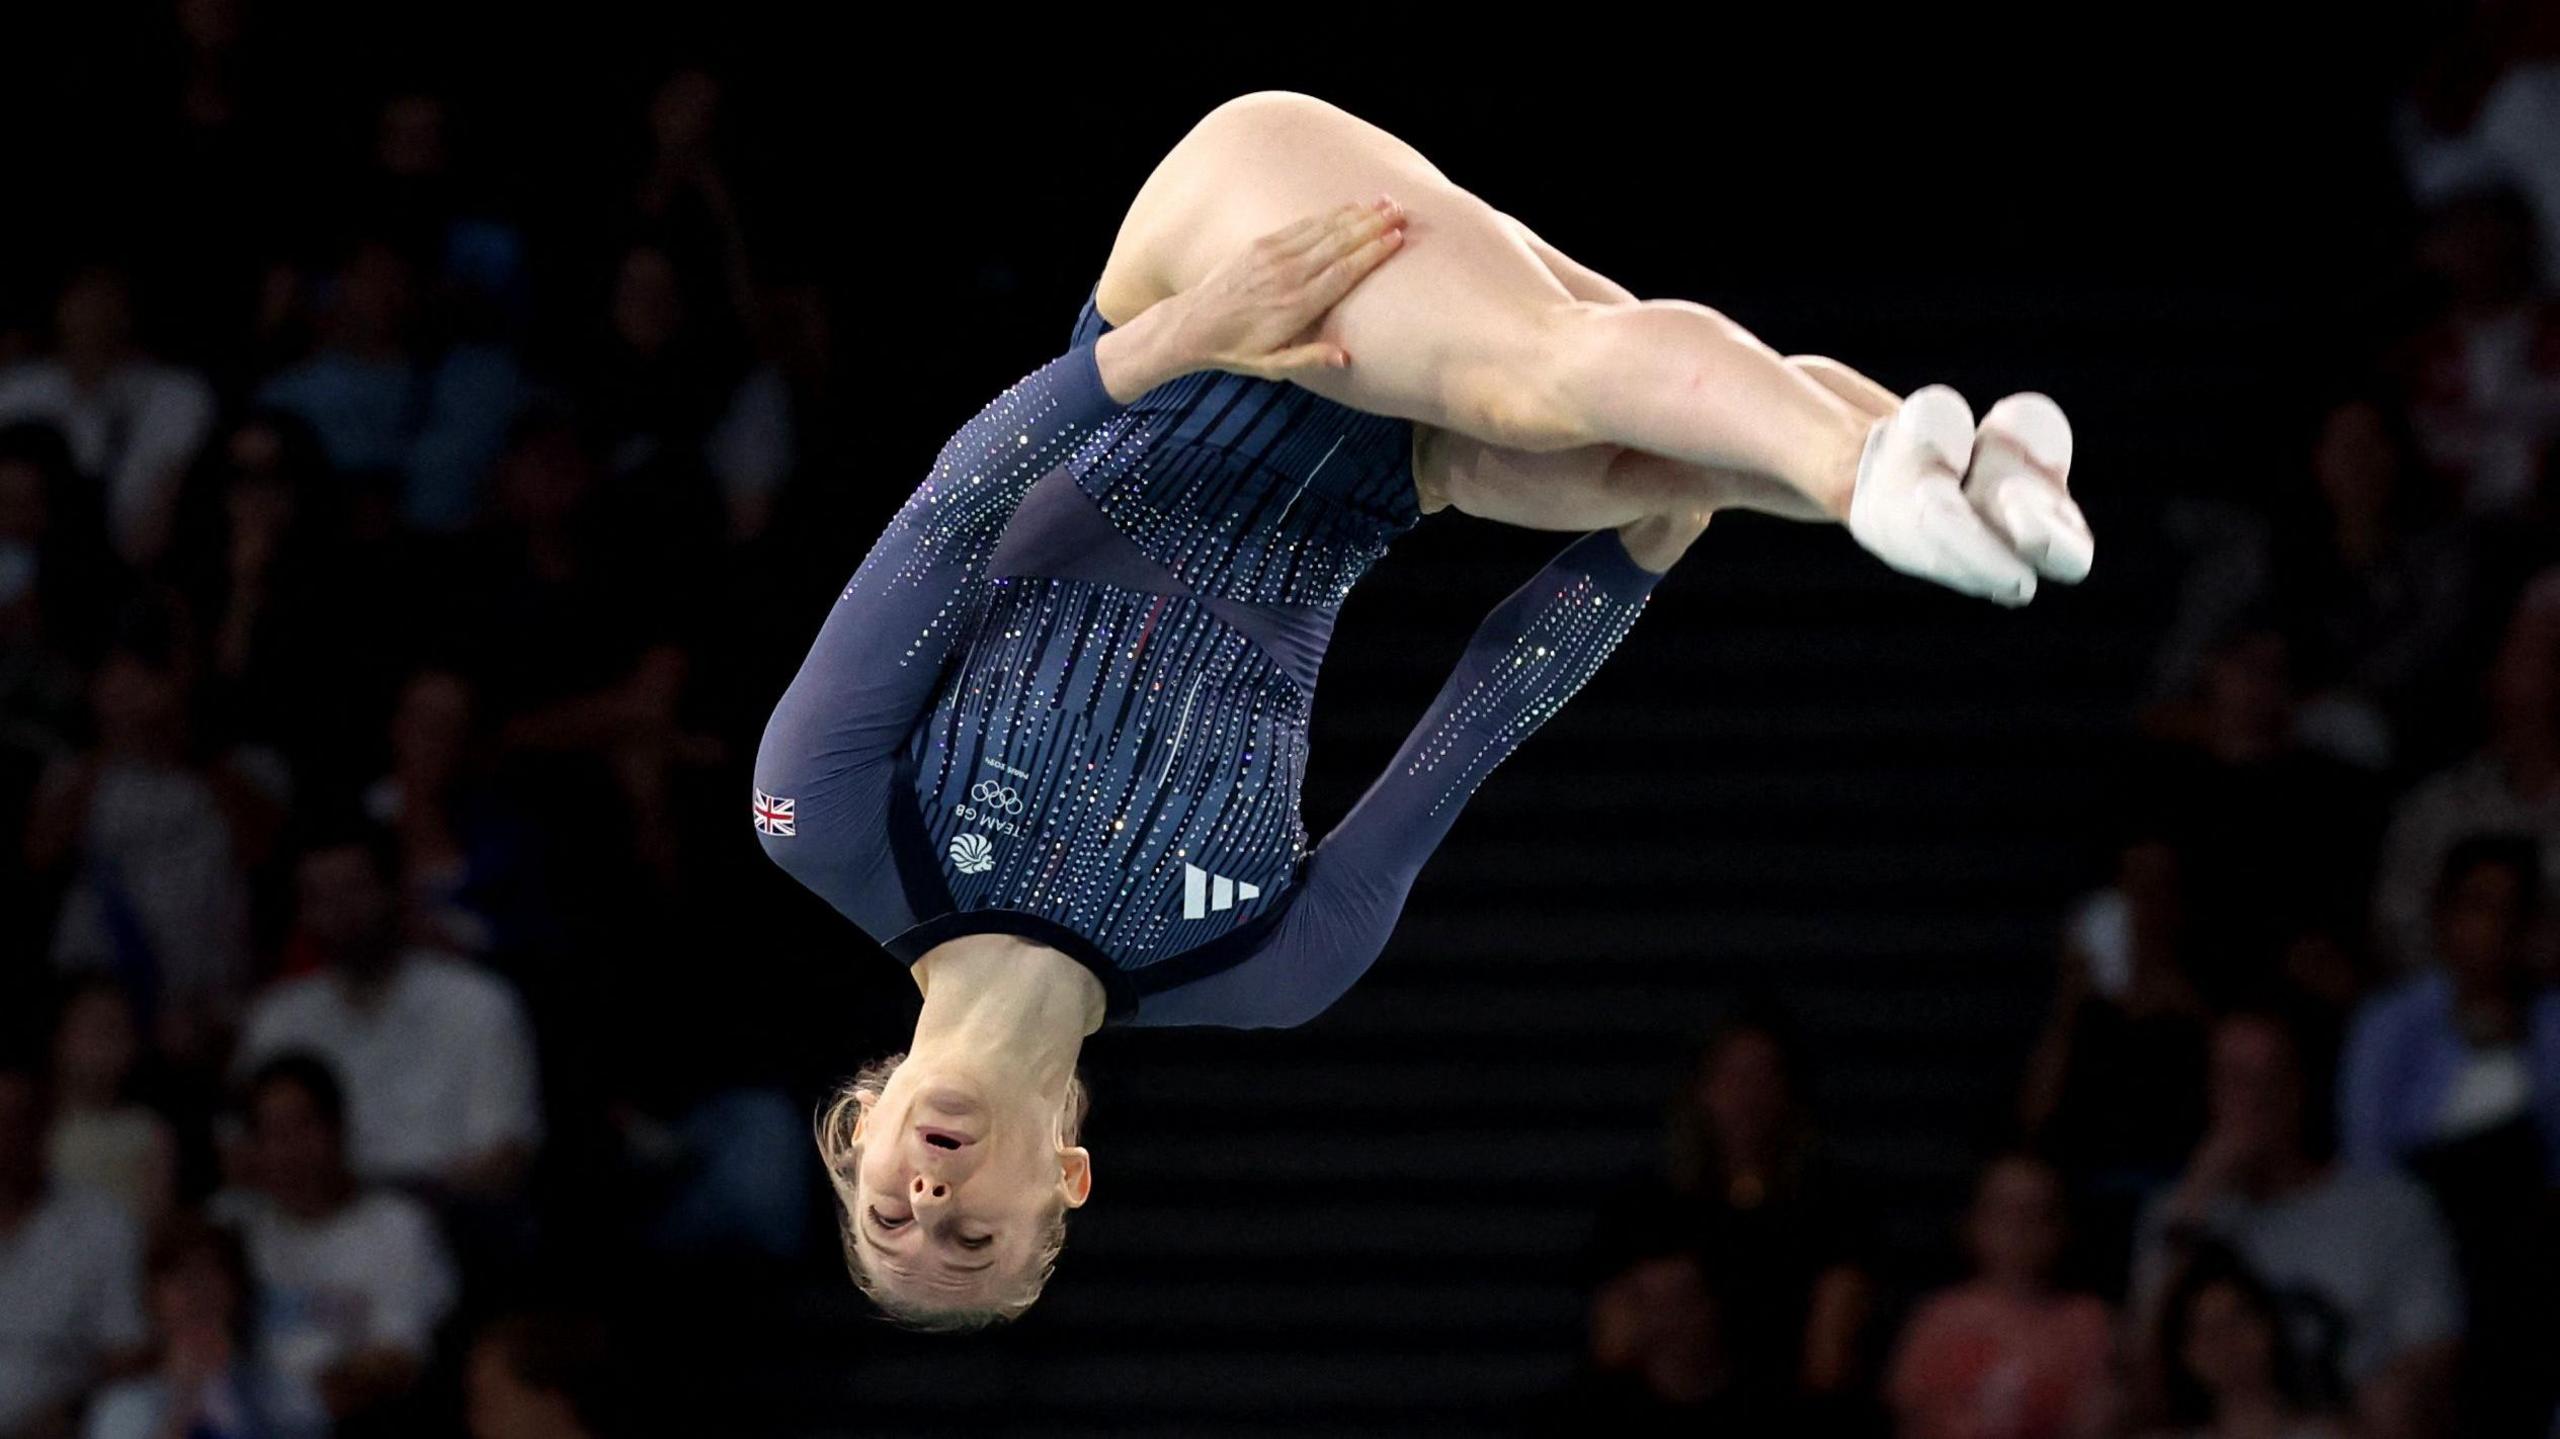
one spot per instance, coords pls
(1468, 305)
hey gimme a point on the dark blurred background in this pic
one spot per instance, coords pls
(430, 436)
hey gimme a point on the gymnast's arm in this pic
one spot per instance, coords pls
(880, 653)
(1256, 313)
(1528, 657)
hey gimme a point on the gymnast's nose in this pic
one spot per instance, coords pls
(925, 1189)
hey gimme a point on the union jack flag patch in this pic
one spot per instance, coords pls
(774, 816)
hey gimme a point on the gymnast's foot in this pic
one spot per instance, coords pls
(1909, 508)
(2020, 483)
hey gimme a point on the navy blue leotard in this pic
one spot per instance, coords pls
(1066, 695)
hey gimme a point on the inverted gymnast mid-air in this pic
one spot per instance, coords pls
(1047, 747)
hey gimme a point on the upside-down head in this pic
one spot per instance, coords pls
(954, 1199)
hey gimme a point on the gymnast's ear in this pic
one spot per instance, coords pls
(1075, 1175)
(863, 1099)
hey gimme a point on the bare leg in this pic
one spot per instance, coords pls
(2017, 480)
(1607, 484)
(1866, 395)
(1673, 481)
(1468, 330)
(1473, 334)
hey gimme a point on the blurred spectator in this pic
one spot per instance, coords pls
(729, 1177)
(2455, 1075)
(2471, 1047)
(759, 440)
(2275, 838)
(2115, 1087)
(685, 209)
(460, 853)
(577, 636)
(2486, 374)
(53, 574)
(2362, 568)
(70, 1263)
(353, 1281)
(1748, 1191)
(2361, 1260)
(102, 1138)
(412, 193)
(1659, 1361)
(2007, 1355)
(539, 1376)
(264, 563)
(412, 400)
(473, 263)
(134, 424)
(660, 388)
(2232, 1371)
(2511, 785)
(153, 846)
(436, 1053)
(360, 390)
(475, 391)
(2484, 111)
(2375, 588)
(207, 1384)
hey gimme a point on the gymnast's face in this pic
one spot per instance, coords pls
(959, 1186)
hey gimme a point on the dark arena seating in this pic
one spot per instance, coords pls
(431, 435)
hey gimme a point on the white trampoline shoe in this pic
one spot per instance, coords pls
(1909, 508)
(2020, 483)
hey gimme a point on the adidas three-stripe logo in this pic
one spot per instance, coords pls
(1203, 892)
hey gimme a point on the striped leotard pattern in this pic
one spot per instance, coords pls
(1067, 694)
(1124, 712)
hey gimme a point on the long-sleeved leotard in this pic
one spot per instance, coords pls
(1066, 695)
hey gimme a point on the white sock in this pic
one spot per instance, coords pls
(2020, 482)
(1909, 508)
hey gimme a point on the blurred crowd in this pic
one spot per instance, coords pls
(369, 480)
(372, 491)
(2285, 1160)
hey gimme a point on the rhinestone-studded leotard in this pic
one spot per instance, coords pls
(1066, 694)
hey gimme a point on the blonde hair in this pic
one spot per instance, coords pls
(842, 1155)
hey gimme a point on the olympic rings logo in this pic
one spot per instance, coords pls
(997, 797)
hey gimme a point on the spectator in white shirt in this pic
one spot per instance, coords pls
(436, 1053)
(353, 1281)
(134, 424)
(70, 1265)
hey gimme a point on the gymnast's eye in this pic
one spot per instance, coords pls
(885, 1221)
(981, 1242)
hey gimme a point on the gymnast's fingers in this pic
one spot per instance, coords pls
(1306, 237)
(1326, 288)
(1347, 235)
(1305, 359)
(1293, 238)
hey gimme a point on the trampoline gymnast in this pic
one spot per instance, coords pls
(1047, 746)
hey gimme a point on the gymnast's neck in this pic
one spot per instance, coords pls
(1013, 1012)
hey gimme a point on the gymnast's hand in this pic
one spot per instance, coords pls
(1257, 313)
